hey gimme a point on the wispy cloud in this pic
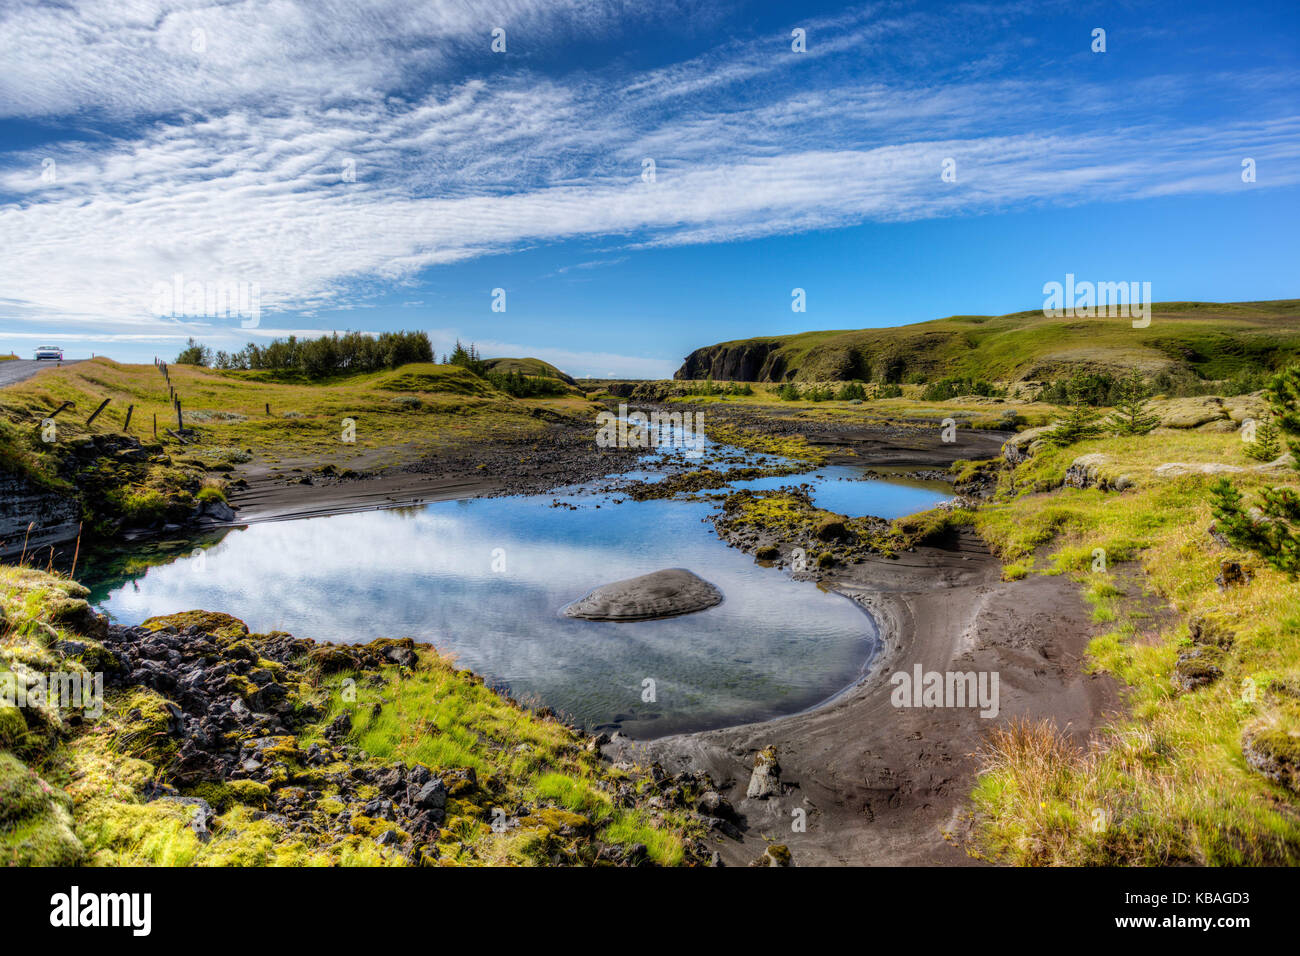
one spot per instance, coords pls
(326, 151)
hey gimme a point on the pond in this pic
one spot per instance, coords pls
(485, 579)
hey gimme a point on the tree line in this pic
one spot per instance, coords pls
(317, 358)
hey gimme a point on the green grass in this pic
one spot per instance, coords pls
(444, 405)
(447, 719)
(1168, 781)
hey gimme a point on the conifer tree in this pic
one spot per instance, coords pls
(1132, 412)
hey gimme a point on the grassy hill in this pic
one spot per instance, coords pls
(233, 418)
(1204, 340)
(527, 366)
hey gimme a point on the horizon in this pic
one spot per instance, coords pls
(368, 169)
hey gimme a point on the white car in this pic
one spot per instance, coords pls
(49, 352)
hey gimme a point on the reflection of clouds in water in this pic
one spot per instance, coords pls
(774, 645)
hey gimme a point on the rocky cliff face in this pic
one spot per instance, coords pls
(746, 362)
(55, 517)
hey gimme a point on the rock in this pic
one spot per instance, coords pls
(433, 795)
(777, 854)
(1273, 752)
(765, 781)
(217, 510)
(1198, 667)
(1086, 472)
(830, 529)
(714, 804)
(1241, 407)
(201, 814)
(1209, 632)
(1231, 574)
(1221, 425)
(1189, 412)
(1025, 444)
(649, 597)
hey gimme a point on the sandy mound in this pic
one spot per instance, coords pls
(662, 594)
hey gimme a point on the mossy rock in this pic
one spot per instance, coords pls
(1274, 752)
(830, 528)
(144, 730)
(1209, 631)
(778, 854)
(555, 820)
(223, 796)
(374, 828)
(35, 822)
(333, 659)
(77, 615)
(768, 553)
(1197, 668)
(210, 622)
(92, 655)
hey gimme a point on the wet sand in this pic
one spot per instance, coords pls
(884, 785)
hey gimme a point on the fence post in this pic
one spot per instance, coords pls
(95, 413)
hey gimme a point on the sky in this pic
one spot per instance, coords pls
(618, 183)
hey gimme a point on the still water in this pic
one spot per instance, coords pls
(485, 579)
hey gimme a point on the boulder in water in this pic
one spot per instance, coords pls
(649, 597)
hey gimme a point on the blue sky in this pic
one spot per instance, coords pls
(373, 165)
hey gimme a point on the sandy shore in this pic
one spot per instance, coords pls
(883, 785)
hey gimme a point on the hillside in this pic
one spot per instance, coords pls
(527, 366)
(1201, 339)
(110, 472)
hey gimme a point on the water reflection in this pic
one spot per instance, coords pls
(486, 579)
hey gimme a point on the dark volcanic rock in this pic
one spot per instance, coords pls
(740, 362)
(661, 594)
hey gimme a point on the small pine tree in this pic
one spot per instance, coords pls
(1273, 533)
(1268, 441)
(1132, 412)
(1080, 423)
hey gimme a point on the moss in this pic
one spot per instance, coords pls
(830, 528)
(13, 727)
(120, 833)
(778, 854)
(373, 827)
(142, 719)
(35, 823)
(210, 493)
(561, 822)
(222, 796)
(210, 622)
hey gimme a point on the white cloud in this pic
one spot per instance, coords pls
(290, 100)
